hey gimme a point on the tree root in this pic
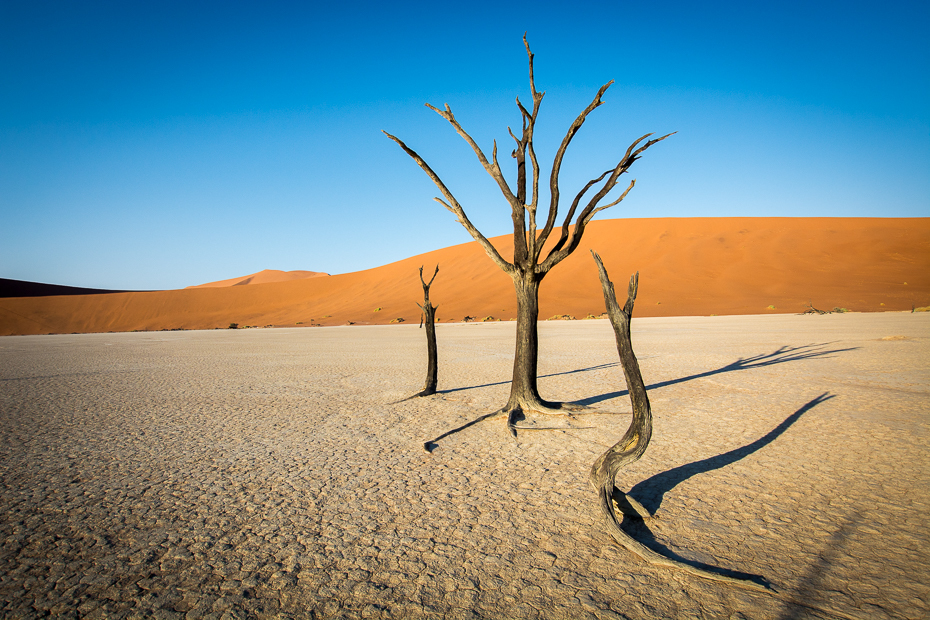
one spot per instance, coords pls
(512, 417)
(549, 408)
(551, 428)
(569, 409)
(511, 413)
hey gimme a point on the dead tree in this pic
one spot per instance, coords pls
(428, 318)
(812, 310)
(530, 263)
(634, 442)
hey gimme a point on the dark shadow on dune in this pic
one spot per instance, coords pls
(554, 374)
(780, 356)
(22, 288)
(650, 492)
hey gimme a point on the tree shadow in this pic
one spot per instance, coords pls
(811, 584)
(637, 529)
(779, 356)
(513, 416)
(554, 374)
(650, 492)
(432, 444)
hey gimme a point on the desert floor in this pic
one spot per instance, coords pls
(265, 473)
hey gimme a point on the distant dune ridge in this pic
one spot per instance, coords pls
(263, 277)
(688, 267)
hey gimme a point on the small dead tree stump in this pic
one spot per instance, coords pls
(428, 318)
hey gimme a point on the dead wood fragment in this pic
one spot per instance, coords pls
(812, 310)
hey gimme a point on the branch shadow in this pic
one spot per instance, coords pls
(432, 444)
(779, 356)
(637, 529)
(652, 491)
(811, 585)
(554, 374)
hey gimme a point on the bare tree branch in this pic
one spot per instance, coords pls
(493, 170)
(528, 134)
(518, 215)
(558, 255)
(454, 206)
(496, 164)
(537, 101)
(557, 166)
(571, 212)
(615, 202)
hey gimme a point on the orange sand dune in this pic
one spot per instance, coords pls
(688, 266)
(263, 277)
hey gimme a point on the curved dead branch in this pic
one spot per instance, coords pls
(634, 442)
(454, 207)
(568, 241)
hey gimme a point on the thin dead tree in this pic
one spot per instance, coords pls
(428, 318)
(634, 442)
(530, 262)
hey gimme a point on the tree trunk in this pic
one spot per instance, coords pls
(429, 319)
(636, 439)
(523, 391)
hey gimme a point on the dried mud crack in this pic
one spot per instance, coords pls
(259, 474)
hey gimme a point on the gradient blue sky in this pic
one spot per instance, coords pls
(151, 145)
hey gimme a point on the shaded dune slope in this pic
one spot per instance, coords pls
(688, 266)
(22, 288)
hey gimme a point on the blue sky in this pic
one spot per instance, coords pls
(151, 145)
